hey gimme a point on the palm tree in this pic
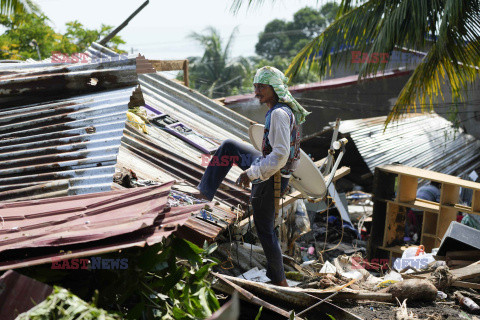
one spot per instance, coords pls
(447, 30)
(215, 74)
(17, 6)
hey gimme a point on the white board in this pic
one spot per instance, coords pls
(307, 178)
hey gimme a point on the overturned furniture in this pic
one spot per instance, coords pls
(395, 190)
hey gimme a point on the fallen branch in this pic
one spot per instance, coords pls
(254, 299)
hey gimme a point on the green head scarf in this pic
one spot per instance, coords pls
(275, 78)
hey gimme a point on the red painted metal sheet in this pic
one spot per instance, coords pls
(165, 224)
(75, 219)
(19, 293)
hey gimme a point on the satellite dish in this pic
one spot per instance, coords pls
(307, 178)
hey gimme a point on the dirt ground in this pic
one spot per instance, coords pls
(384, 311)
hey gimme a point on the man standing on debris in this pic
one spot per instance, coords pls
(280, 152)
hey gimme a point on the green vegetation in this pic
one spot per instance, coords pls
(286, 38)
(168, 280)
(216, 74)
(24, 27)
(64, 305)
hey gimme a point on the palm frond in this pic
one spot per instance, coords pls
(238, 4)
(377, 26)
(230, 41)
(8, 7)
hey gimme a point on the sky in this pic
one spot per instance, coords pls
(160, 30)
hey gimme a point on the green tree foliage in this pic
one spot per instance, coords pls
(23, 27)
(215, 74)
(286, 38)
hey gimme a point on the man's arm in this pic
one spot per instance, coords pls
(279, 137)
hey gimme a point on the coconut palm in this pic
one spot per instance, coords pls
(17, 6)
(215, 74)
(447, 30)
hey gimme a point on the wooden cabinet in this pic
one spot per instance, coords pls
(395, 190)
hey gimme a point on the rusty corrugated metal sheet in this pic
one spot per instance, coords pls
(26, 83)
(63, 147)
(75, 219)
(35, 232)
(19, 294)
(160, 156)
(151, 150)
(421, 141)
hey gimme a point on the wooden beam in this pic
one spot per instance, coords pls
(464, 284)
(168, 65)
(173, 65)
(467, 272)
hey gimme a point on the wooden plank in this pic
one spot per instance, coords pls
(407, 188)
(476, 201)
(395, 249)
(464, 255)
(449, 194)
(463, 284)
(419, 204)
(429, 175)
(186, 74)
(253, 298)
(445, 217)
(394, 224)
(168, 65)
(467, 272)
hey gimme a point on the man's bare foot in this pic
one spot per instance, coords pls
(282, 283)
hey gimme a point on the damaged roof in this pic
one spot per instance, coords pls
(61, 125)
(62, 147)
(422, 141)
(33, 232)
(58, 145)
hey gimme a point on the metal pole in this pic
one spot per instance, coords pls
(38, 51)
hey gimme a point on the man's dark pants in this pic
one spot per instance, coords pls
(262, 198)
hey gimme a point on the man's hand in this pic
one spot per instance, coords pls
(243, 180)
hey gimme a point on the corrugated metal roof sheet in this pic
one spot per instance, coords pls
(167, 157)
(422, 141)
(19, 293)
(33, 232)
(83, 218)
(69, 144)
(26, 83)
(193, 108)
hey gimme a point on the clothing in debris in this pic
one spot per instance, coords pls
(429, 192)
